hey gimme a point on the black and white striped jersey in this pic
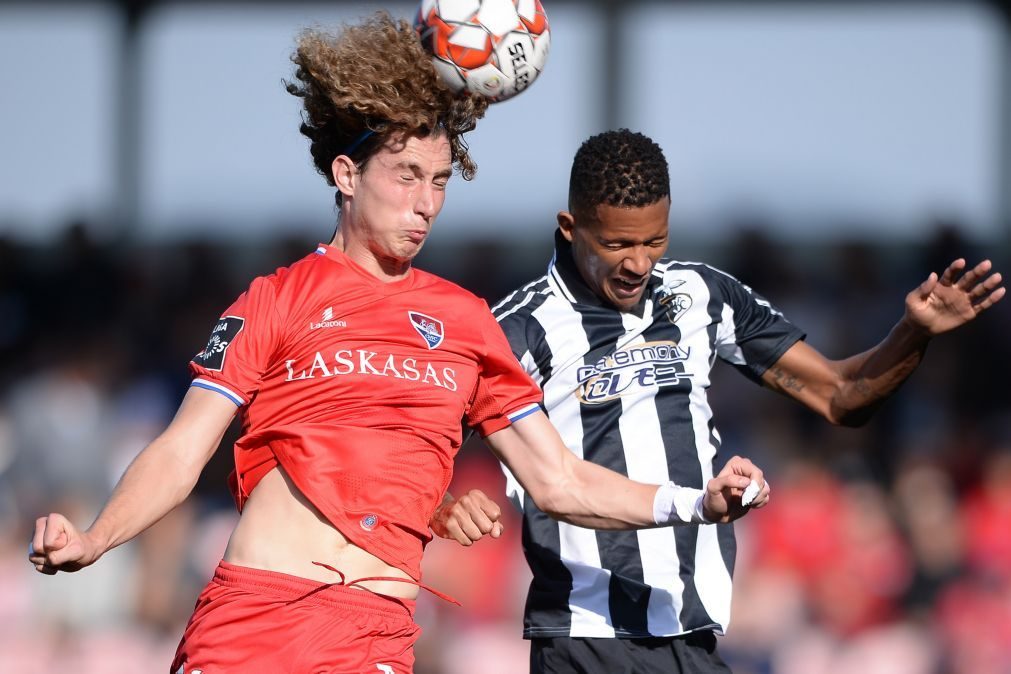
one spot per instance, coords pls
(628, 391)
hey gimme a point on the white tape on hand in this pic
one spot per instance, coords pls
(750, 493)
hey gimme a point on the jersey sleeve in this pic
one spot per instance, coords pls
(240, 346)
(753, 334)
(505, 392)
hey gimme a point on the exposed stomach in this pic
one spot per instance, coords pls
(280, 530)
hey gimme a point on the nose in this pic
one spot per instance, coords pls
(427, 201)
(638, 261)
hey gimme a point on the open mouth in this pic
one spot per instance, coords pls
(627, 288)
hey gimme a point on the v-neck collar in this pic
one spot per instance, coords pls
(564, 272)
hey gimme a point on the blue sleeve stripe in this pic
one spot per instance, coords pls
(523, 412)
(211, 386)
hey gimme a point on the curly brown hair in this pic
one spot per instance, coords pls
(375, 76)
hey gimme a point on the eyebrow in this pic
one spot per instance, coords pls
(416, 169)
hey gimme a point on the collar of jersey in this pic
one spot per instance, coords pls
(567, 275)
(340, 257)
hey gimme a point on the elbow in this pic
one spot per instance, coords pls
(553, 501)
(853, 420)
(848, 417)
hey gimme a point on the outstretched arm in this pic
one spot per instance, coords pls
(582, 493)
(161, 476)
(848, 391)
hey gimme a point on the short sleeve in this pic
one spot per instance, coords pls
(754, 334)
(505, 392)
(240, 346)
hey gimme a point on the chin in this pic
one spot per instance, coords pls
(408, 253)
(624, 305)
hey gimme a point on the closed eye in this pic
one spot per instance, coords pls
(620, 245)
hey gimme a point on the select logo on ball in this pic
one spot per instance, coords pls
(495, 48)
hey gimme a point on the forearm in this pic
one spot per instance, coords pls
(157, 481)
(576, 491)
(870, 378)
(596, 498)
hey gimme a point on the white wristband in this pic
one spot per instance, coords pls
(679, 505)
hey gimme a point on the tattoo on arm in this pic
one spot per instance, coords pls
(785, 381)
(864, 388)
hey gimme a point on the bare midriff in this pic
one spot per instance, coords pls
(280, 530)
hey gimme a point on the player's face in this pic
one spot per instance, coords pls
(396, 197)
(615, 248)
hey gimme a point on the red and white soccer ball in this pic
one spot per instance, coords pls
(495, 48)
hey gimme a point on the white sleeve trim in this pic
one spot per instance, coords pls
(223, 390)
(523, 412)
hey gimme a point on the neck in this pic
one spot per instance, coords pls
(338, 238)
(385, 269)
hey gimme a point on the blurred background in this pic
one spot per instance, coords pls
(828, 155)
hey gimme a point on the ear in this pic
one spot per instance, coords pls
(344, 173)
(566, 223)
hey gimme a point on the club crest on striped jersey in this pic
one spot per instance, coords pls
(675, 304)
(429, 328)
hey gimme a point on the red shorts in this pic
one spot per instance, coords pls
(251, 621)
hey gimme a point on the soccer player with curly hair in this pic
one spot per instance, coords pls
(351, 370)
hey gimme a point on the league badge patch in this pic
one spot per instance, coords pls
(213, 355)
(429, 328)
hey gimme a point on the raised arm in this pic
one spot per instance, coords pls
(585, 494)
(848, 391)
(157, 480)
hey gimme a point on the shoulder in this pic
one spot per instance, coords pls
(674, 268)
(670, 271)
(520, 304)
(295, 277)
(428, 282)
(288, 286)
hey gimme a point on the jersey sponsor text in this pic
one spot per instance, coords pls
(362, 361)
(625, 370)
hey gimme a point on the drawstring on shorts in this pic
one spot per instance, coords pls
(410, 581)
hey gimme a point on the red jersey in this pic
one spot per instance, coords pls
(357, 388)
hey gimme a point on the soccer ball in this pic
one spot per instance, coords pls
(495, 48)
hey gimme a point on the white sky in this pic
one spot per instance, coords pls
(881, 115)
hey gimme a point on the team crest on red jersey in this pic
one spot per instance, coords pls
(429, 328)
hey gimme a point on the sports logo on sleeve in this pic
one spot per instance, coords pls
(213, 355)
(429, 328)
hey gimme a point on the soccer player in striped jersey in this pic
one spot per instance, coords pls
(350, 371)
(621, 340)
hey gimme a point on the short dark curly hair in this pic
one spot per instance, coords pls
(376, 77)
(618, 168)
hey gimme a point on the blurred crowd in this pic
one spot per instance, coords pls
(884, 549)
